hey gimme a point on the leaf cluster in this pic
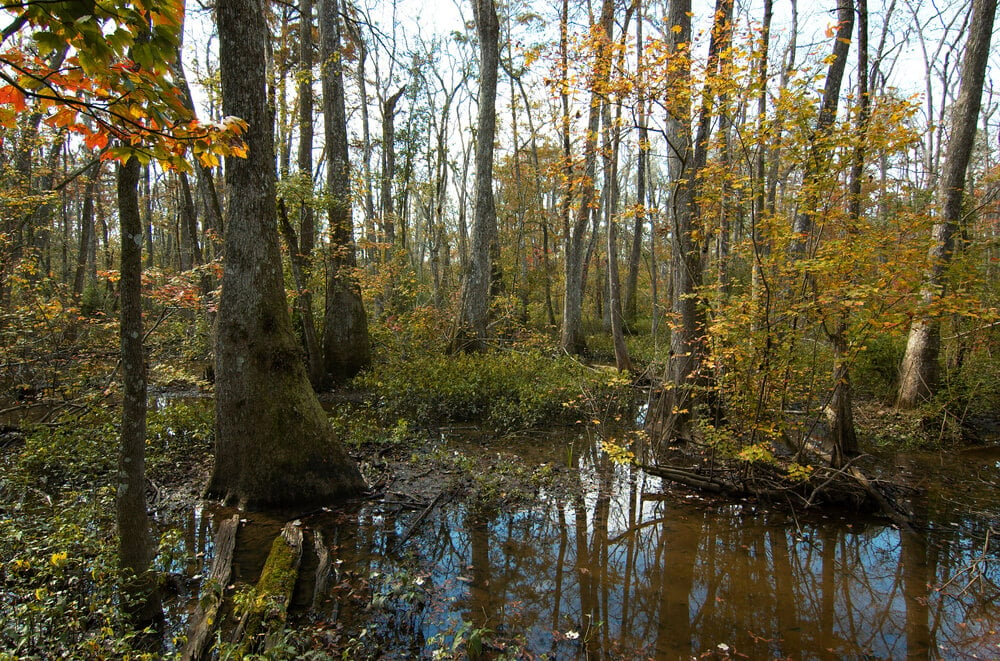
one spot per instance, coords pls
(104, 71)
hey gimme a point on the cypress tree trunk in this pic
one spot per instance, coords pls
(274, 444)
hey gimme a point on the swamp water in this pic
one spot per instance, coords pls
(624, 566)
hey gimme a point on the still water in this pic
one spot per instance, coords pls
(623, 566)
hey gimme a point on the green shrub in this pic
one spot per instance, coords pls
(74, 456)
(504, 390)
(60, 582)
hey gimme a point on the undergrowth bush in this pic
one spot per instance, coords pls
(60, 582)
(77, 456)
(503, 390)
(876, 372)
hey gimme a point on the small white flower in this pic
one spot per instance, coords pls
(572, 635)
(723, 647)
(419, 580)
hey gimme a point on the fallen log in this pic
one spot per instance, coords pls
(263, 620)
(205, 618)
(884, 500)
(831, 486)
(694, 480)
(324, 566)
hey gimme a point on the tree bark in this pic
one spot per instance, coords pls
(274, 444)
(386, 202)
(670, 416)
(920, 372)
(843, 436)
(135, 542)
(611, 147)
(370, 253)
(470, 331)
(346, 349)
(191, 250)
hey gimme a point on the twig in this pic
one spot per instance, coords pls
(423, 515)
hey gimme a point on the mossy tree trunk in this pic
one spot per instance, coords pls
(274, 444)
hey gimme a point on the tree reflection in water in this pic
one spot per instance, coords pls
(617, 567)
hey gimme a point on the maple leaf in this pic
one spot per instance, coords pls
(96, 140)
(14, 97)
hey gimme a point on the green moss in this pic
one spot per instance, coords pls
(267, 608)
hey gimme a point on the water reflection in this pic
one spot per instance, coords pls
(618, 568)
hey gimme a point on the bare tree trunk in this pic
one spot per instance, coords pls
(274, 444)
(345, 326)
(388, 210)
(366, 158)
(758, 245)
(577, 247)
(471, 328)
(147, 219)
(612, 147)
(135, 542)
(673, 413)
(301, 247)
(675, 408)
(630, 309)
(86, 233)
(190, 249)
(571, 292)
(843, 437)
(920, 372)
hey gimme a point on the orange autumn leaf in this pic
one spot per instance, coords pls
(13, 96)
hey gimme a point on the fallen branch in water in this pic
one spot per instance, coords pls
(420, 518)
(205, 619)
(974, 569)
(845, 485)
(693, 479)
